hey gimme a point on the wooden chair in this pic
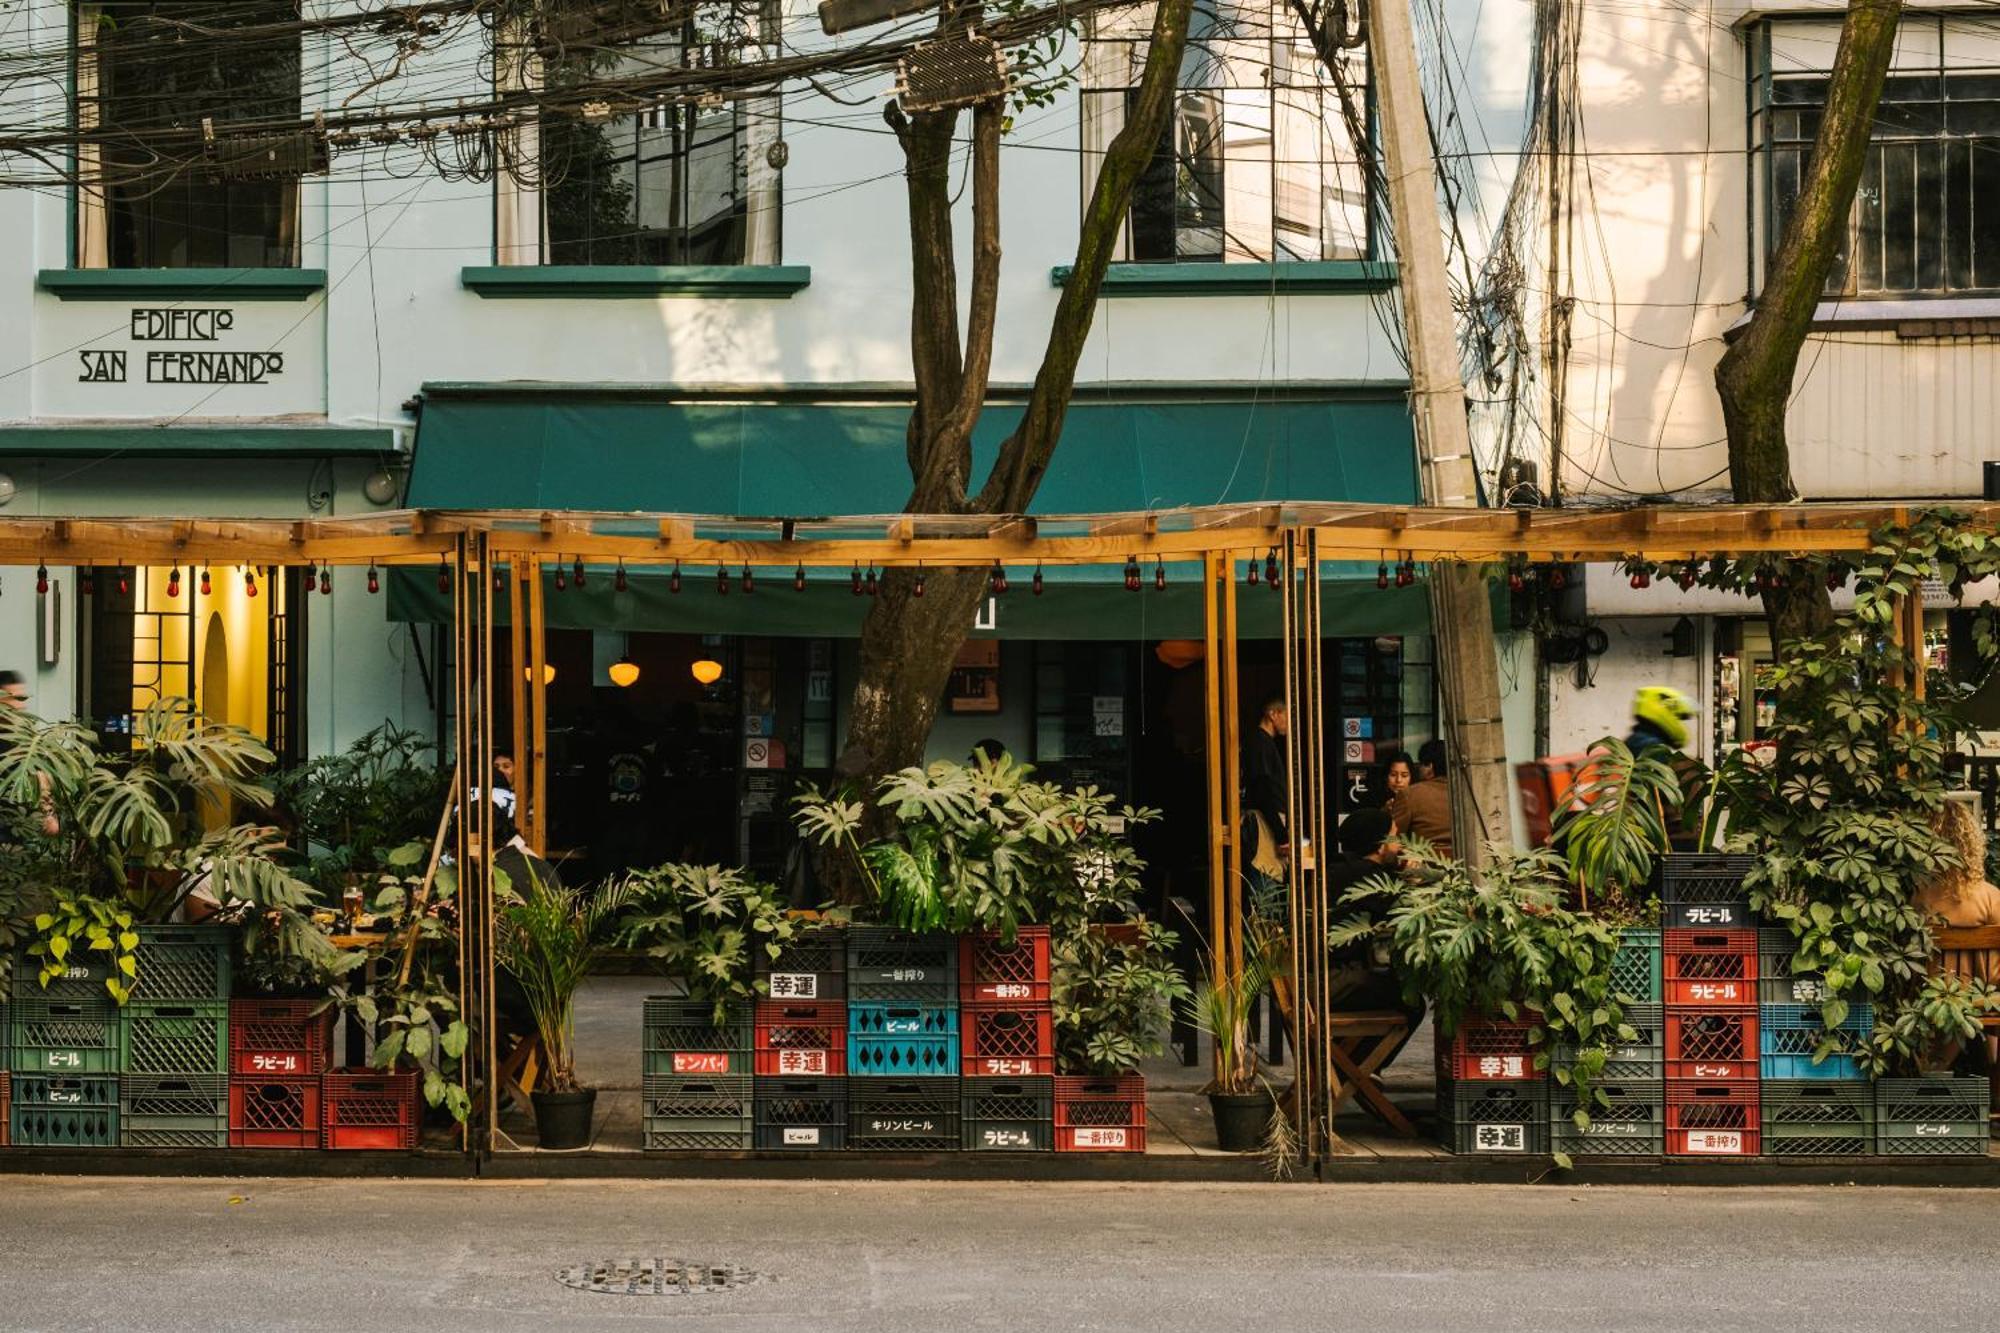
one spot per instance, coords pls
(1362, 1041)
(520, 1068)
(1974, 953)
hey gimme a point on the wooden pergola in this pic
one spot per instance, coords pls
(486, 556)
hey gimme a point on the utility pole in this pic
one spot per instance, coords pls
(1468, 662)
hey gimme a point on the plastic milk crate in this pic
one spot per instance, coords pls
(1007, 1041)
(1100, 1112)
(1009, 1114)
(1635, 968)
(697, 1111)
(173, 1111)
(812, 965)
(992, 971)
(1713, 1118)
(174, 1037)
(1643, 1058)
(684, 1037)
(182, 963)
(78, 1036)
(278, 1039)
(903, 1114)
(1489, 1049)
(83, 977)
(1775, 982)
(896, 1040)
(1703, 891)
(369, 1108)
(1633, 1125)
(274, 1112)
(1817, 1117)
(64, 1111)
(1713, 969)
(1938, 1115)
(885, 964)
(6, 1101)
(1493, 1116)
(1790, 1033)
(1718, 1044)
(801, 1038)
(801, 1114)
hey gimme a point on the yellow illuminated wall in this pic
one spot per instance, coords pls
(228, 623)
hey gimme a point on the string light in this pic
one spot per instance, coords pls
(1037, 584)
(1382, 573)
(562, 580)
(749, 584)
(674, 579)
(250, 581)
(721, 579)
(917, 587)
(1131, 573)
(873, 587)
(444, 576)
(1252, 576)
(576, 575)
(618, 582)
(1271, 569)
(374, 580)
(1406, 573)
(89, 581)
(124, 582)
(326, 580)
(42, 580)
(1159, 575)
(799, 578)
(856, 578)
(205, 586)
(499, 579)
(174, 581)
(997, 580)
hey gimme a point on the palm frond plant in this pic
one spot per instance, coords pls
(547, 937)
(353, 808)
(1224, 1008)
(1613, 826)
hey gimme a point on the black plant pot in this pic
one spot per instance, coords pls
(1242, 1119)
(562, 1119)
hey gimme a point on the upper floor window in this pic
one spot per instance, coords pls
(153, 76)
(1256, 163)
(663, 183)
(1926, 216)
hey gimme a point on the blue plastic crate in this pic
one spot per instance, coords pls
(1788, 1034)
(887, 1039)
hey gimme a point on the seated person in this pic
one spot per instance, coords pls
(1962, 896)
(1362, 976)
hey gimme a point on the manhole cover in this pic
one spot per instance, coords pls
(654, 1277)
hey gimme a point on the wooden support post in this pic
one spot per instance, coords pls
(1215, 566)
(535, 795)
(1231, 925)
(517, 694)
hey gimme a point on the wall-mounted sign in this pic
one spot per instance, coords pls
(165, 360)
(99, 365)
(974, 683)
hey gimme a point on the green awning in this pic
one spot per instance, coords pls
(102, 441)
(579, 447)
(1086, 603)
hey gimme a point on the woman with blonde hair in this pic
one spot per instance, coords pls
(1962, 896)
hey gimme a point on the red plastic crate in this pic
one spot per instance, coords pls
(369, 1108)
(1711, 1044)
(279, 1039)
(1715, 969)
(1006, 1041)
(6, 1115)
(1100, 1113)
(274, 1112)
(1489, 1049)
(1713, 1118)
(801, 1038)
(991, 971)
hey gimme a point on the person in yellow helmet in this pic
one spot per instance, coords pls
(1660, 717)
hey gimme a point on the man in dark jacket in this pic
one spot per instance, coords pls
(1266, 780)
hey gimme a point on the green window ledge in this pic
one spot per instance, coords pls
(621, 281)
(1288, 279)
(181, 284)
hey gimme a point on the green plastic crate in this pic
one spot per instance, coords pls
(76, 1036)
(1818, 1117)
(681, 1113)
(1635, 968)
(1634, 1125)
(1939, 1115)
(682, 1038)
(173, 1111)
(1641, 1059)
(82, 979)
(174, 1037)
(64, 1111)
(183, 963)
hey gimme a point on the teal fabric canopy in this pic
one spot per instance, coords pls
(565, 447)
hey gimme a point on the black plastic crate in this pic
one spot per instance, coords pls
(64, 1111)
(697, 1112)
(903, 1114)
(1776, 983)
(1939, 1115)
(173, 1111)
(1644, 1058)
(801, 1114)
(1703, 891)
(1499, 1116)
(75, 1036)
(1818, 1117)
(812, 965)
(895, 965)
(1008, 1114)
(183, 963)
(683, 1038)
(1633, 1125)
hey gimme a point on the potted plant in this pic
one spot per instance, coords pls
(547, 937)
(703, 924)
(1237, 1096)
(355, 807)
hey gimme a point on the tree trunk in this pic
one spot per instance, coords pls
(1754, 376)
(908, 644)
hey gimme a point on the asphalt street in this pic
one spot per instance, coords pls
(365, 1256)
